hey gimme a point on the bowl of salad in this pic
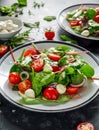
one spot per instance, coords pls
(82, 23)
(49, 76)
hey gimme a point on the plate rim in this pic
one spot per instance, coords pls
(49, 111)
(69, 32)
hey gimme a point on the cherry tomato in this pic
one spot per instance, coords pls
(97, 10)
(85, 126)
(3, 49)
(49, 35)
(75, 22)
(24, 85)
(30, 52)
(54, 57)
(50, 93)
(55, 68)
(14, 78)
(72, 90)
(37, 65)
(96, 19)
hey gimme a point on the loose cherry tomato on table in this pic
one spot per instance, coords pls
(50, 93)
(96, 18)
(75, 22)
(54, 57)
(30, 52)
(14, 78)
(37, 65)
(24, 85)
(3, 49)
(72, 90)
(49, 34)
(85, 126)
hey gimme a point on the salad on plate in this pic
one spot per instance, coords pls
(48, 76)
(84, 21)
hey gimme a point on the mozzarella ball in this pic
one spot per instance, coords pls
(85, 33)
(2, 25)
(4, 31)
(30, 93)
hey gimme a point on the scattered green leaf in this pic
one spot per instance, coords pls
(30, 13)
(38, 5)
(22, 2)
(19, 39)
(49, 18)
(11, 10)
(68, 39)
(30, 25)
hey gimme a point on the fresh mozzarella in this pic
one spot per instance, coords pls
(30, 93)
(61, 88)
(2, 25)
(4, 31)
(10, 26)
(7, 26)
(85, 33)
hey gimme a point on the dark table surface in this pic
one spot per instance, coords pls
(14, 118)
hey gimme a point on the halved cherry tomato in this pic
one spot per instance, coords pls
(30, 52)
(97, 10)
(37, 65)
(3, 49)
(54, 57)
(14, 78)
(49, 34)
(50, 93)
(75, 22)
(55, 68)
(72, 90)
(85, 126)
(96, 18)
(24, 85)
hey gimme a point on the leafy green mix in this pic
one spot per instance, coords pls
(76, 68)
(82, 21)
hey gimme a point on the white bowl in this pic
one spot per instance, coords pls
(6, 36)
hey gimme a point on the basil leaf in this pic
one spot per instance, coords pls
(68, 39)
(41, 80)
(76, 78)
(87, 70)
(16, 68)
(22, 2)
(49, 18)
(30, 25)
(90, 13)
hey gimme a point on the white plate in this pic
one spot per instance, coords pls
(87, 95)
(64, 24)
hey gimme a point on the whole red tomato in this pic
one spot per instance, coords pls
(49, 34)
(14, 78)
(96, 19)
(50, 93)
(3, 49)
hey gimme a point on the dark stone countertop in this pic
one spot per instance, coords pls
(14, 118)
